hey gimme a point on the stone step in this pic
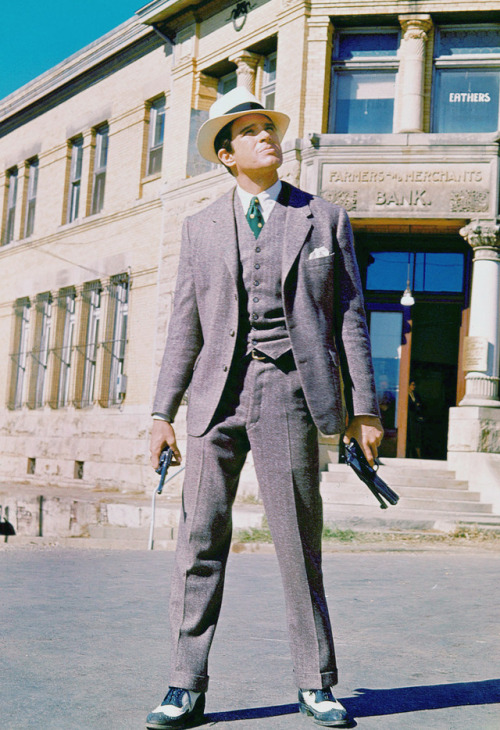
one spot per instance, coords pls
(394, 480)
(371, 516)
(333, 490)
(409, 503)
(391, 471)
(425, 464)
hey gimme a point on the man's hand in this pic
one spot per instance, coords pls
(162, 436)
(368, 432)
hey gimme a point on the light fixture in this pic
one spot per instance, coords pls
(407, 299)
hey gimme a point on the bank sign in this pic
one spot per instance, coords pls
(425, 190)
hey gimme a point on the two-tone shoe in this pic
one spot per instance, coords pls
(181, 708)
(321, 705)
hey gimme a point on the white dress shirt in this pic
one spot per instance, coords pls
(267, 198)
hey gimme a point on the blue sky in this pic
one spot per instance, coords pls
(37, 34)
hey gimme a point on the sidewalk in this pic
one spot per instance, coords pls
(85, 640)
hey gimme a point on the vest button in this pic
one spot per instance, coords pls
(257, 250)
(257, 266)
(255, 316)
(256, 299)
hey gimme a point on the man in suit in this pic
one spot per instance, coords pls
(268, 309)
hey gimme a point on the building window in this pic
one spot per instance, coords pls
(92, 299)
(40, 350)
(156, 134)
(75, 178)
(19, 356)
(364, 69)
(116, 339)
(12, 178)
(268, 92)
(63, 351)
(100, 162)
(467, 80)
(226, 83)
(29, 222)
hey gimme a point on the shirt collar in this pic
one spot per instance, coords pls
(267, 198)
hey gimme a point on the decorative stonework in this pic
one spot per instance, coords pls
(246, 63)
(470, 201)
(482, 234)
(348, 199)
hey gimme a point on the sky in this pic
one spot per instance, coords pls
(36, 35)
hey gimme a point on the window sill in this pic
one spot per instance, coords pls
(150, 178)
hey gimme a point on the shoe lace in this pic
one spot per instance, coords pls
(174, 696)
(324, 695)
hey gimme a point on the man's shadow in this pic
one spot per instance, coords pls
(373, 702)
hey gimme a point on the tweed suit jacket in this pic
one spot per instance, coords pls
(323, 305)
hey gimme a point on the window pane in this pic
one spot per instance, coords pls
(387, 271)
(461, 42)
(364, 102)
(466, 101)
(158, 120)
(101, 150)
(227, 83)
(431, 272)
(385, 335)
(439, 272)
(31, 203)
(354, 45)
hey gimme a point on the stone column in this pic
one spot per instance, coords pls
(412, 71)
(484, 237)
(246, 64)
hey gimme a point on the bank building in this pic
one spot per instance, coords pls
(394, 113)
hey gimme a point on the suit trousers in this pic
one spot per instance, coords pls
(263, 409)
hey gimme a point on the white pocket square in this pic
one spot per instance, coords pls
(319, 253)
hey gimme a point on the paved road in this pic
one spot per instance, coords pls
(84, 642)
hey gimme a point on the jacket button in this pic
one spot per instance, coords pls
(232, 333)
(225, 368)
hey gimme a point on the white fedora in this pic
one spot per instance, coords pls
(236, 103)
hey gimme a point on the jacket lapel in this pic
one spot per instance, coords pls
(224, 232)
(299, 219)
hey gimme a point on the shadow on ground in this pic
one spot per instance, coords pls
(374, 702)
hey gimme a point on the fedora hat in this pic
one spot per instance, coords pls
(236, 103)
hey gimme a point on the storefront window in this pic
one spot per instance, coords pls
(467, 100)
(467, 80)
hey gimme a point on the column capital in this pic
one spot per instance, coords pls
(246, 64)
(483, 234)
(415, 26)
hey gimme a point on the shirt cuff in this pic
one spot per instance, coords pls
(160, 417)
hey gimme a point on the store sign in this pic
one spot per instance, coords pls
(426, 190)
(475, 354)
(469, 97)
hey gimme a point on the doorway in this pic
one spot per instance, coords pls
(419, 343)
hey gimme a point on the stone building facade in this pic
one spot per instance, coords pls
(394, 114)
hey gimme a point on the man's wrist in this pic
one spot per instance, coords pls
(161, 417)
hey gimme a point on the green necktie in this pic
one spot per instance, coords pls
(254, 217)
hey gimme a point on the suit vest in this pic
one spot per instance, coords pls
(262, 318)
